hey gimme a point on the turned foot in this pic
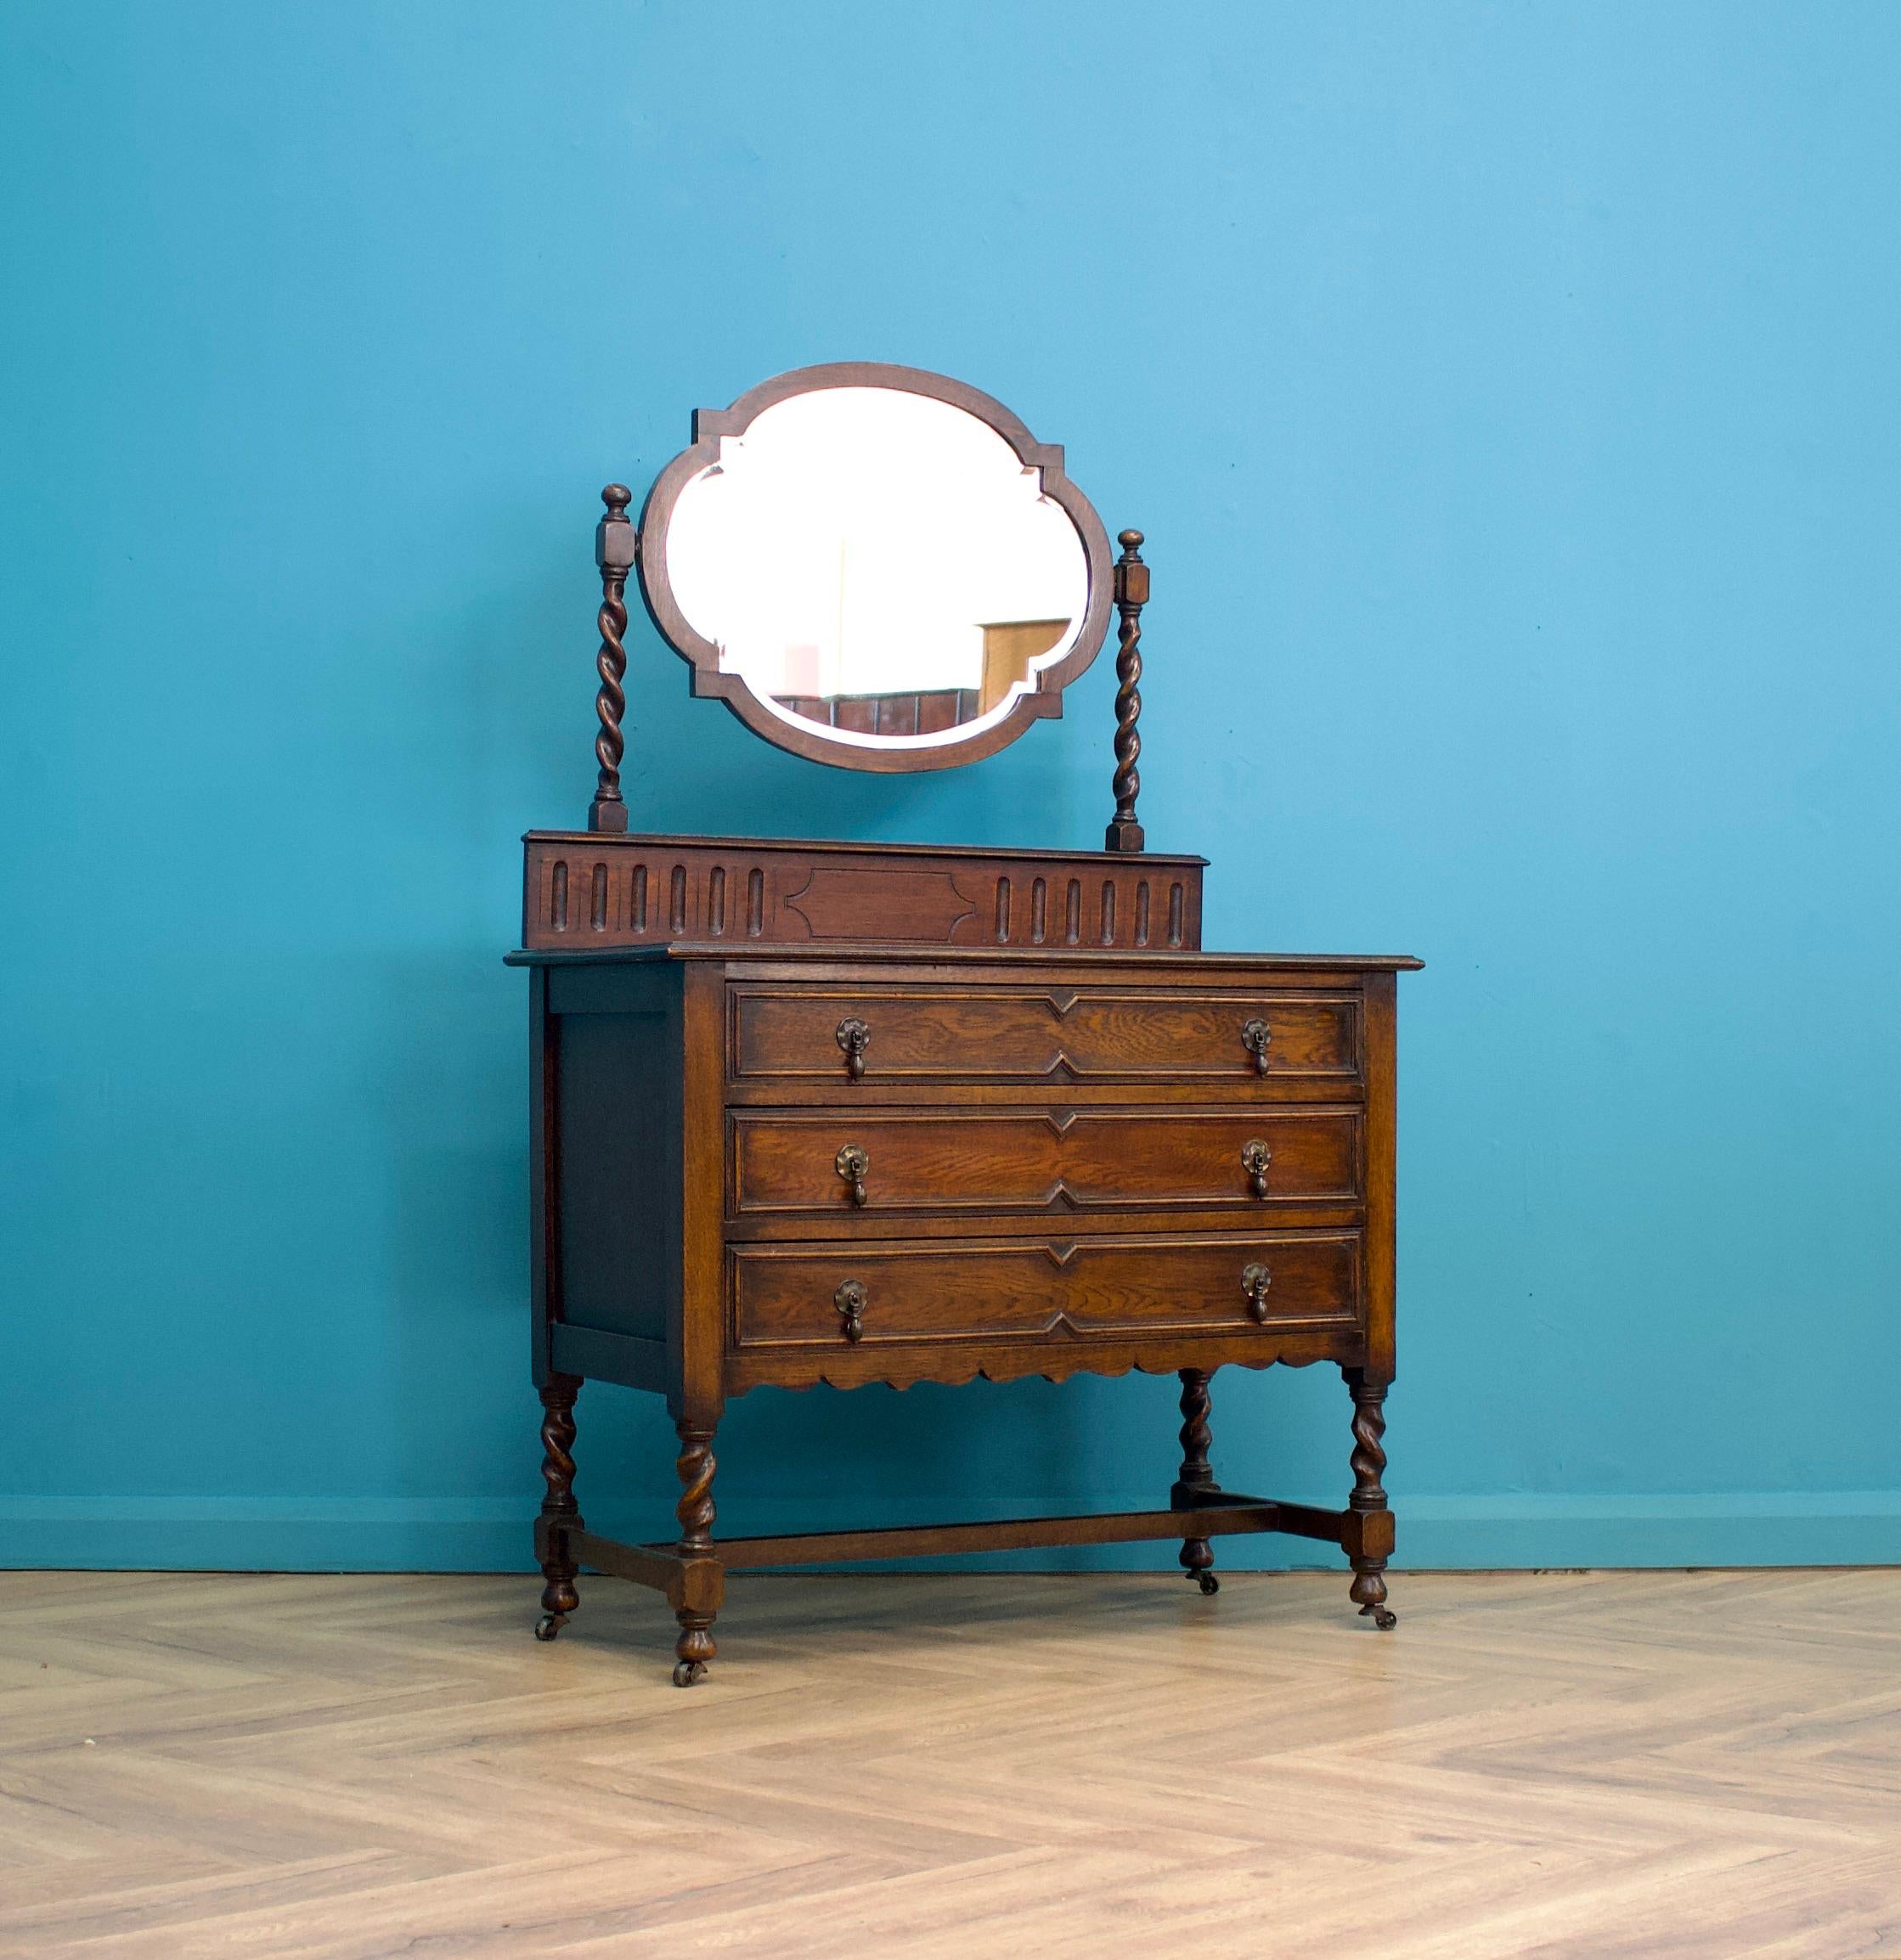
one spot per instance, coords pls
(694, 1648)
(1197, 1562)
(1369, 1594)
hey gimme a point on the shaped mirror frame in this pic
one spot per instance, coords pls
(810, 739)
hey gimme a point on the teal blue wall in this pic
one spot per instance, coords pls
(1509, 393)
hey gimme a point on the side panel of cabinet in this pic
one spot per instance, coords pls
(1382, 1049)
(543, 1234)
(614, 1211)
(696, 1333)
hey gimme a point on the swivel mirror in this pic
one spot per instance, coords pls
(876, 567)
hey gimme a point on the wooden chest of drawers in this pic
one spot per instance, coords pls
(828, 1112)
(776, 1166)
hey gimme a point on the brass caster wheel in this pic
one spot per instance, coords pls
(549, 1625)
(1384, 1620)
(687, 1672)
(1208, 1582)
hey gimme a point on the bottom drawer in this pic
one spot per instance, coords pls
(868, 1293)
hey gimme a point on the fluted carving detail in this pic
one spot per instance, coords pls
(614, 551)
(1131, 594)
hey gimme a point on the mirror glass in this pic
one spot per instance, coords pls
(878, 564)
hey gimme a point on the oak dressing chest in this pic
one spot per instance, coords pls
(814, 1113)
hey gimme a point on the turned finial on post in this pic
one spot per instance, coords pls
(1131, 594)
(614, 545)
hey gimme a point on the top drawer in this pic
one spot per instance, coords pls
(1231, 1035)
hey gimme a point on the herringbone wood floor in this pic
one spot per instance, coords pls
(1662, 1765)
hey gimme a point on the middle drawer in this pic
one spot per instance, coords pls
(852, 1162)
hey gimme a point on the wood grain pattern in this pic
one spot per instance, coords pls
(910, 902)
(1040, 1289)
(1558, 1767)
(1053, 1034)
(1044, 1160)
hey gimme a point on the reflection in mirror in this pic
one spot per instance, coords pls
(879, 563)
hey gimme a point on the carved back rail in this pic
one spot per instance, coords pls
(593, 890)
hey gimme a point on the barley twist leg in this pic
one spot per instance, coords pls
(1369, 1497)
(695, 1648)
(559, 1513)
(1196, 1480)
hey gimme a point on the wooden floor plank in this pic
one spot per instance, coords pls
(1568, 1766)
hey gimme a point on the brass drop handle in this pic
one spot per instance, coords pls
(1256, 1157)
(1254, 1037)
(851, 1163)
(849, 1300)
(855, 1038)
(1256, 1281)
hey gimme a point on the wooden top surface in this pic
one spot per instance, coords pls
(820, 847)
(846, 952)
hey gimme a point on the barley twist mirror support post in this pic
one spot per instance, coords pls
(1131, 594)
(614, 547)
